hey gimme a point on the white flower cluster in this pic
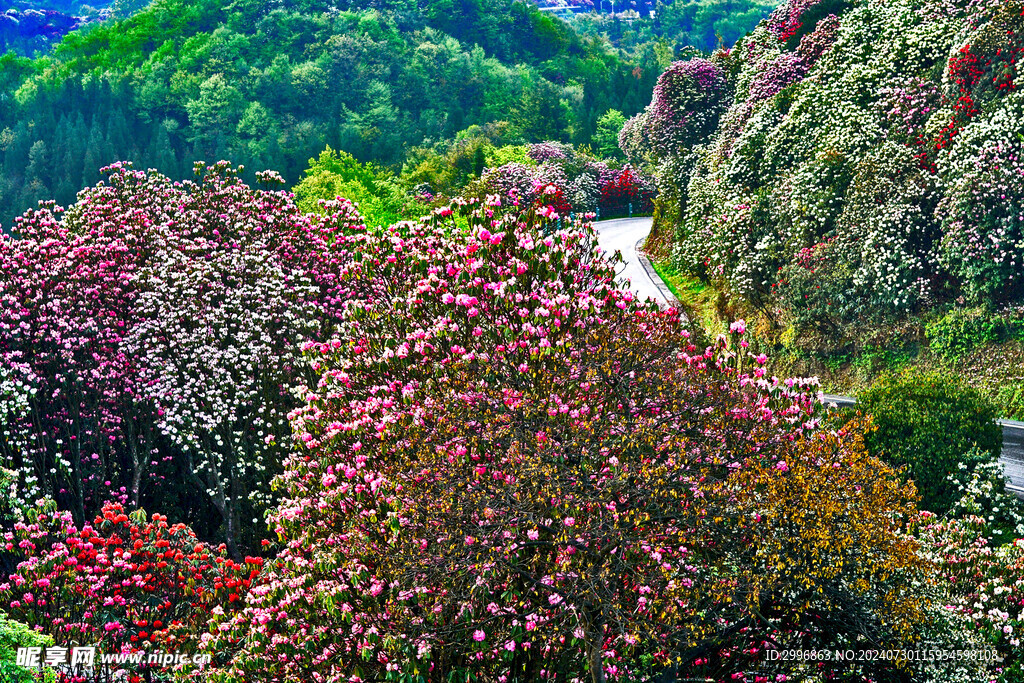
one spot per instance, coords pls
(896, 157)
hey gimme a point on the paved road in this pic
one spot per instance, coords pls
(1013, 455)
(625, 234)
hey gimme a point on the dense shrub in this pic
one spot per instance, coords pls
(960, 331)
(14, 635)
(978, 554)
(687, 101)
(931, 424)
(372, 190)
(581, 183)
(512, 470)
(629, 188)
(122, 583)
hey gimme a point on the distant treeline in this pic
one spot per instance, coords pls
(268, 85)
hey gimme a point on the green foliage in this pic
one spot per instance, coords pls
(126, 8)
(872, 359)
(678, 27)
(269, 85)
(508, 154)
(446, 167)
(705, 23)
(12, 507)
(380, 198)
(606, 139)
(961, 331)
(1011, 400)
(931, 424)
(13, 635)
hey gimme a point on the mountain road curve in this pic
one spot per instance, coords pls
(626, 235)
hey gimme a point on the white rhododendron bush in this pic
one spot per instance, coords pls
(869, 167)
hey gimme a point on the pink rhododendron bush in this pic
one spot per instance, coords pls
(511, 470)
(148, 337)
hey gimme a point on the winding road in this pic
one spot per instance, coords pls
(627, 234)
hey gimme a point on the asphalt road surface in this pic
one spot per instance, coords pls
(1013, 455)
(623, 235)
(626, 234)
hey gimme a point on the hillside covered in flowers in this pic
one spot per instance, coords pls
(454, 448)
(851, 172)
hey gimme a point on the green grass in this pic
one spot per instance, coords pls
(686, 289)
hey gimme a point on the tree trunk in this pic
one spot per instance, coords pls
(231, 525)
(595, 648)
(228, 509)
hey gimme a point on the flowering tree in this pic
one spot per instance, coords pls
(627, 187)
(634, 139)
(550, 150)
(687, 101)
(152, 330)
(511, 468)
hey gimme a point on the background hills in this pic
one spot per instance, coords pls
(269, 85)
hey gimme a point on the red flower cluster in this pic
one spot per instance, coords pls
(552, 195)
(123, 584)
(973, 73)
(626, 188)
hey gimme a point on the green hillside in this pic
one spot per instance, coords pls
(270, 85)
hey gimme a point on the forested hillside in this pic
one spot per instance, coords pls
(851, 173)
(702, 25)
(269, 86)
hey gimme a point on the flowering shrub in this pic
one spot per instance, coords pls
(511, 468)
(513, 182)
(687, 102)
(634, 138)
(785, 69)
(978, 549)
(983, 228)
(150, 333)
(629, 187)
(122, 583)
(579, 181)
(542, 152)
(885, 138)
